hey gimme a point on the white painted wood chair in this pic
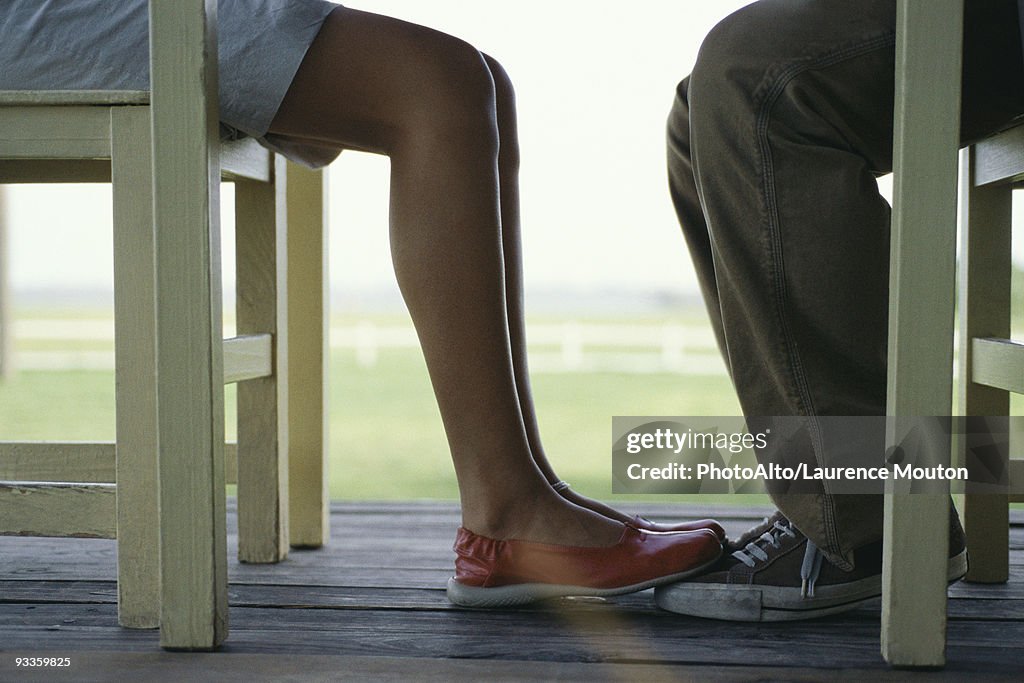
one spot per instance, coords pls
(162, 154)
(991, 364)
(923, 284)
(5, 303)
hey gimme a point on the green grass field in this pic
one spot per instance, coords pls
(386, 436)
(387, 441)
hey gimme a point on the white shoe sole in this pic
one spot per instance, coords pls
(525, 593)
(747, 602)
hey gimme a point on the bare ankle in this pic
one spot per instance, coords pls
(564, 490)
(550, 519)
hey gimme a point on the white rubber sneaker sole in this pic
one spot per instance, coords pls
(525, 593)
(745, 602)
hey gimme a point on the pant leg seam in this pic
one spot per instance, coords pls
(806, 403)
(773, 88)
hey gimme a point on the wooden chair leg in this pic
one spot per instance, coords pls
(921, 292)
(138, 528)
(308, 323)
(986, 525)
(261, 225)
(985, 269)
(190, 368)
(6, 335)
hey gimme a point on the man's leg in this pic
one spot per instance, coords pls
(774, 145)
(788, 118)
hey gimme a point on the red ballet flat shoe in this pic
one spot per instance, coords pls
(645, 524)
(492, 573)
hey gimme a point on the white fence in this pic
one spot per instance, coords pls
(569, 346)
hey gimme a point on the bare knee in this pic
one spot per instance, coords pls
(505, 101)
(503, 89)
(376, 83)
(454, 101)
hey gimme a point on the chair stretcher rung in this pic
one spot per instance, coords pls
(1016, 478)
(49, 509)
(83, 462)
(54, 171)
(998, 363)
(51, 144)
(246, 158)
(49, 98)
(247, 357)
(999, 158)
(243, 159)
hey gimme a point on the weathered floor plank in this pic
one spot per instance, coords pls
(362, 609)
(228, 667)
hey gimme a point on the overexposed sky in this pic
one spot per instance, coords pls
(594, 79)
(594, 83)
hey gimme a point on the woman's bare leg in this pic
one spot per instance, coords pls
(427, 100)
(508, 165)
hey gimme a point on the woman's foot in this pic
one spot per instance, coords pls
(547, 518)
(636, 521)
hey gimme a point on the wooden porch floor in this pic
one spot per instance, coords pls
(371, 606)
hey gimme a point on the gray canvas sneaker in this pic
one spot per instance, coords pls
(778, 574)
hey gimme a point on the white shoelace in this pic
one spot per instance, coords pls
(752, 553)
(810, 568)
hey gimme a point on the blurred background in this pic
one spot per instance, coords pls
(615, 321)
